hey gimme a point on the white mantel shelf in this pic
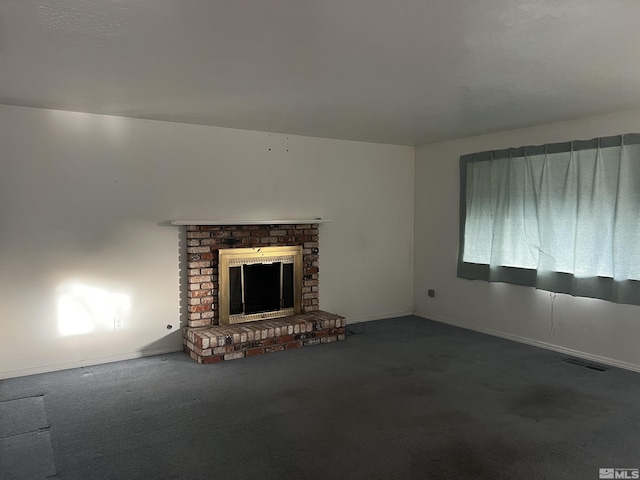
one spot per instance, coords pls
(248, 222)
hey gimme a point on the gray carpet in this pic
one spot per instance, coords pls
(25, 444)
(407, 399)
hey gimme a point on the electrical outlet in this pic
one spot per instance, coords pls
(118, 322)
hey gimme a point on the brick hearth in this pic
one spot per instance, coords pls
(229, 342)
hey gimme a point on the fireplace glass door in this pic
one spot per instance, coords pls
(262, 287)
(259, 283)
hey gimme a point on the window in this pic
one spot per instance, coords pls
(563, 217)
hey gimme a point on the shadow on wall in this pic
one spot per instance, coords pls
(183, 280)
(175, 337)
(160, 346)
(182, 269)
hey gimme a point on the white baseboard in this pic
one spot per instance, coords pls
(536, 343)
(508, 336)
(147, 353)
(88, 362)
(384, 316)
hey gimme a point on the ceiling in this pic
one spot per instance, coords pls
(398, 71)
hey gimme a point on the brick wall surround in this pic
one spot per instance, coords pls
(203, 243)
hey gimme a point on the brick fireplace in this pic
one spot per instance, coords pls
(206, 340)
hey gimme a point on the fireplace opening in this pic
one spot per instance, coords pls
(263, 287)
(258, 283)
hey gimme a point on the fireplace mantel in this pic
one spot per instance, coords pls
(247, 222)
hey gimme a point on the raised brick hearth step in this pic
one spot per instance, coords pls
(229, 342)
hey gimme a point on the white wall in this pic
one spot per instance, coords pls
(595, 329)
(82, 197)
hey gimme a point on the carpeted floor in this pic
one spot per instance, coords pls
(408, 399)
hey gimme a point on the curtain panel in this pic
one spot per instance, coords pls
(562, 217)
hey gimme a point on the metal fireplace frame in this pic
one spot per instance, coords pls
(233, 257)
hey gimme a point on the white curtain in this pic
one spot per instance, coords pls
(571, 209)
